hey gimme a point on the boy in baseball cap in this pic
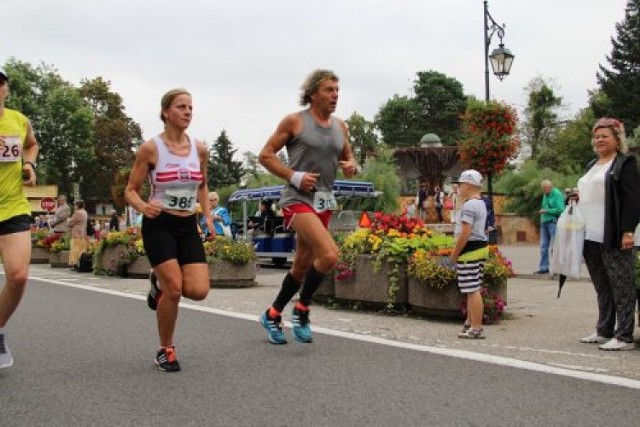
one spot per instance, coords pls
(471, 250)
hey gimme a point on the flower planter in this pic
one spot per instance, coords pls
(112, 260)
(59, 259)
(140, 268)
(326, 290)
(39, 255)
(445, 302)
(372, 287)
(224, 274)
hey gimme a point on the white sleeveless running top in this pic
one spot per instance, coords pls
(175, 179)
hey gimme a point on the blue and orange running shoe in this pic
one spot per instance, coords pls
(301, 326)
(274, 328)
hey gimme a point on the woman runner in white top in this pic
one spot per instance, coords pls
(176, 166)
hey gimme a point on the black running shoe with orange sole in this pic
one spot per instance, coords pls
(166, 360)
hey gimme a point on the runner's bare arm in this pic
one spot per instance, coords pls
(287, 128)
(29, 154)
(203, 189)
(144, 161)
(347, 162)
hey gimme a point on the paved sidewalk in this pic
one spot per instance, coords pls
(538, 327)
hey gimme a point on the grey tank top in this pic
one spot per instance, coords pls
(316, 149)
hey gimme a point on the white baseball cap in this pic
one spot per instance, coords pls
(471, 176)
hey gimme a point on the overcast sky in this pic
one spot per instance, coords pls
(244, 60)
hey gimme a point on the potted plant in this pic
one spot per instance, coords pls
(39, 254)
(231, 263)
(137, 263)
(58, 245)
(113, 252)
(433, 286)
(374, 259)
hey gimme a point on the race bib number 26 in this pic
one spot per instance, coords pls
(180, 199)
(10, 149)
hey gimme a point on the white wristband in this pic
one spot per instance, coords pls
(296, 179)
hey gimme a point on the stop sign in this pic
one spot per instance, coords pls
(47, 204)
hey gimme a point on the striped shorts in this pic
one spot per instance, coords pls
(470, 275)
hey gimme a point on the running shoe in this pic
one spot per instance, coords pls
(166, 360)
(301, 326)
(274, 328)
(471, 333)
(6, 360)
(594, 339)
(614, 344)
(154, 293)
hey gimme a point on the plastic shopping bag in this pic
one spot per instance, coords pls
(569, 241)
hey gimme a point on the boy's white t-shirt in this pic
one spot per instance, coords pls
(473, 212)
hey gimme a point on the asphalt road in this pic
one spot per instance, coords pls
(86, 358)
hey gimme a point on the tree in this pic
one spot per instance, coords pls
(66, 138)
(541, 121)
(251, 165)
(571, 148)
(436, 106)
(61, 120)
(621, 82)
(362, 137)
(398, 122)
(441, 101)
(489, 138)
(222, 169)
(114, 136)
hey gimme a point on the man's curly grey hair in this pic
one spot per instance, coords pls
(312, 82)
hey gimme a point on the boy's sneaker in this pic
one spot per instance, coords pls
(154, 293)
(471, 333)
(614, 344)
(274, 328)
(594, 338)
(301, 327)
(6, 360)
(166, 360)
(465, 328)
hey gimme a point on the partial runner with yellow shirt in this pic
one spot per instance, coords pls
(18, 153)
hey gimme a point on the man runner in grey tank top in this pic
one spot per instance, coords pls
(317, 144)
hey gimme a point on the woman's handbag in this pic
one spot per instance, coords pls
(568, 243)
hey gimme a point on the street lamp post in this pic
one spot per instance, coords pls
(501, 59)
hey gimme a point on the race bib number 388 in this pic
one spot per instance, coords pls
(180, 199)
(10, 149)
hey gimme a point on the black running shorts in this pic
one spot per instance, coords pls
(172, 237)
(15, 224)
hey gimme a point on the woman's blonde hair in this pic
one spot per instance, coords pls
(310, 85)
(168, 98)
(617, 128)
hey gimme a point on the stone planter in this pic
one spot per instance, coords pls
(112, 260)
(59, 259)
(371, 287)
(326, 290)
(224, 274)
(140, 268)
(39, 255)
(445, 302)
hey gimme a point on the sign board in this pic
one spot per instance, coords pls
(76, 191)
(47, 204)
